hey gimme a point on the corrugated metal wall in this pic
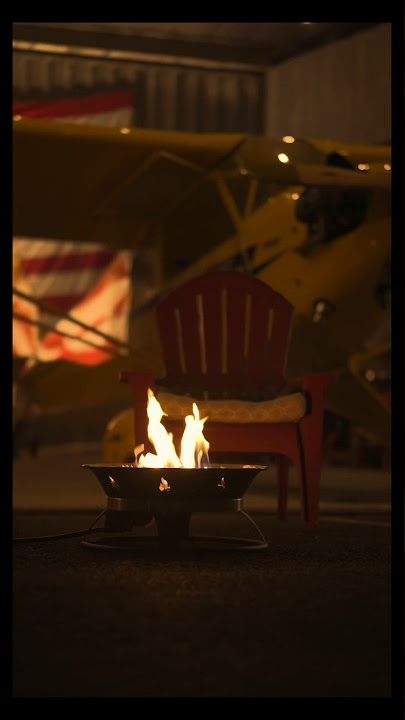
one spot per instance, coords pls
(168, 96)
(341, 91)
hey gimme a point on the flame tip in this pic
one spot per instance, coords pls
(194, 446)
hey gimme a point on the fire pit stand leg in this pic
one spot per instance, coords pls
(173, 529)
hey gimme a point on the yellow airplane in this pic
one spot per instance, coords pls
(311, 218)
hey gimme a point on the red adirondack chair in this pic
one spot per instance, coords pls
(224, 338)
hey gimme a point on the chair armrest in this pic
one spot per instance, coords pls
(312, 382)
(313, 385)
(318, 382)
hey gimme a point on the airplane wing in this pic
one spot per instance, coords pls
(302, 162)
(80, 182)
(116, 185)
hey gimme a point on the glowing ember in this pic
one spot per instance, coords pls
(194, 446)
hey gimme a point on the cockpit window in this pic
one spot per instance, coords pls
(330, 212)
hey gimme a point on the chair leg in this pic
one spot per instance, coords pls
(309, 438)
(282, 485)
(309, 473)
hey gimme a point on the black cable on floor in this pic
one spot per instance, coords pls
(61, 536)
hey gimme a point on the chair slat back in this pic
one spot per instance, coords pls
(225, 333)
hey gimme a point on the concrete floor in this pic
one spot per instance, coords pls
(308, 617)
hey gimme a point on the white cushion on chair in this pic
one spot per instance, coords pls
(286, 408)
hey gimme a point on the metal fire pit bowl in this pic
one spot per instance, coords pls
(215, 482)
(139, 495)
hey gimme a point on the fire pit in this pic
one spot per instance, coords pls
(165, 488)
(167, 497)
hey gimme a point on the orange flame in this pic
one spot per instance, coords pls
(194, 446)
